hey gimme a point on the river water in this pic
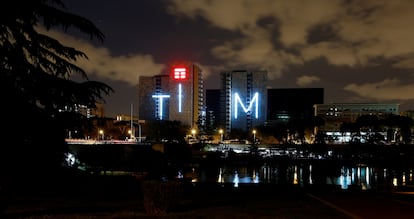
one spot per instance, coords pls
(360, 177)
(393, 169)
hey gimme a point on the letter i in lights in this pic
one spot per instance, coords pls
(180, 96)
(180, 74)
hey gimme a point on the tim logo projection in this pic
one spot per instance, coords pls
(180, 73)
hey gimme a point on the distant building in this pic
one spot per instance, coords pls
(212, 109)
(243, 99)
(88, 112)
(98, 111)
(408, 113)
(335, 114)
(292, 103)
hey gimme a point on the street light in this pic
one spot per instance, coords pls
(130, 134)
(101, 132)
(139, 131)
(221, 135)
(193, 132)
(254, 136)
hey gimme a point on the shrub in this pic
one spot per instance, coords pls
(159, 197)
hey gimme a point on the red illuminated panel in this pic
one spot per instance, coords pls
(180, 73)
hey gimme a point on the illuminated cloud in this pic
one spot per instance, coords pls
(344, 41)
(306, 80)
(406, 63)
(101, 63)
(388, 89)
(275, 34)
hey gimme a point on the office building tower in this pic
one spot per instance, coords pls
(243, 99)
(187, 103)
(153, 97)
(176, 96)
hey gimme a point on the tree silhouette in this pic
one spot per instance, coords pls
(166, 130)
(401, 123)
(36, 72)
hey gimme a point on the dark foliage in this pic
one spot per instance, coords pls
(36, 84)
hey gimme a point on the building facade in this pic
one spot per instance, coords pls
(243, 99)
(176, 96)
(187, 101)
(212, 109)
(292, 103)
(153, 101)
(335, 114)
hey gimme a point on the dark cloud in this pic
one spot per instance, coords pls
(356, 50)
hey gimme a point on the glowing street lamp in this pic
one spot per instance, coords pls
(254, 136)
(221, 135)
(101, 132)
(193, 132)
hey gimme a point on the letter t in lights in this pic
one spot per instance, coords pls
(238, 100)
(160, 101)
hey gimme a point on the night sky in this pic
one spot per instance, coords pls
(358, 51)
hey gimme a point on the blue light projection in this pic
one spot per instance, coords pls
(237, 101)
(160, 98)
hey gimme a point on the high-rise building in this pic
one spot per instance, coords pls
(153, 95)
(243, 99)
(187, 102)
(176, 96)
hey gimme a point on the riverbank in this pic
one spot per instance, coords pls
(201, 201)
(81, 197)
(93, 195)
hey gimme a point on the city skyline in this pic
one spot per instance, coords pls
(357, 51)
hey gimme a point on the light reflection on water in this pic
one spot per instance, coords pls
(361, 176)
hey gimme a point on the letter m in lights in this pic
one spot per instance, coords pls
(237, 101)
